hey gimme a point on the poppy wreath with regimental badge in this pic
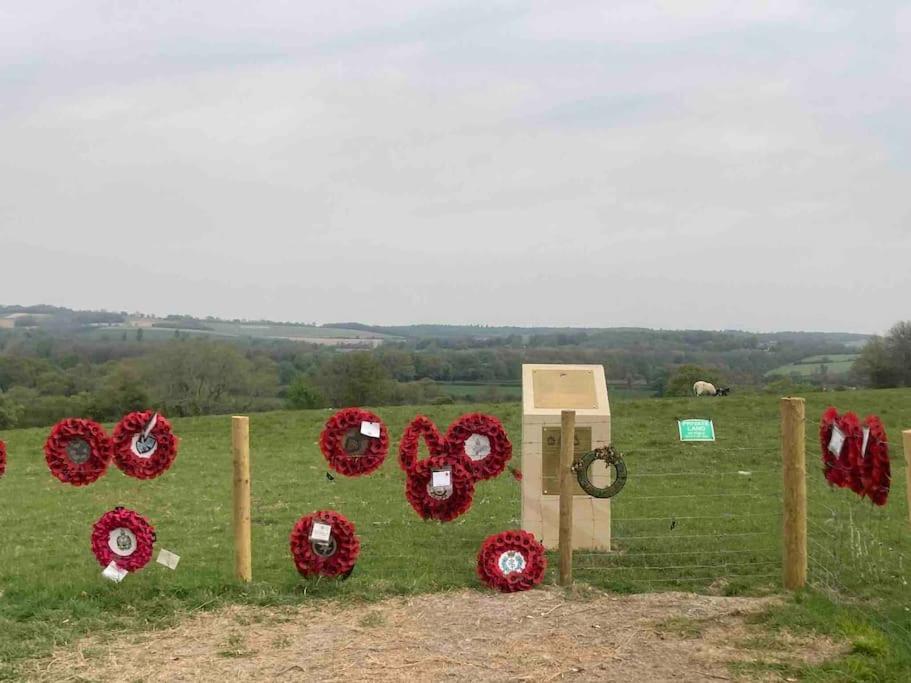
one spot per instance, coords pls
(144, 446)
(483, 440)
(420, 427)
(842, 468)
(434, 494)
(347, 448)
(511, 561)
(123, 537)
(2, 458)
(78, 451)
(331, 554)
(876, 474)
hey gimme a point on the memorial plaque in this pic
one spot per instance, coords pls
(551, 461)
(564, 389)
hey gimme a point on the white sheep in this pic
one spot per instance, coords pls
(701, 388)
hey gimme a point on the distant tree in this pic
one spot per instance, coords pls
(682, 379)
(10, 412)
(140, 333)
(198, 376)
(353, 379)
(886, 361)
(302, 394)
(123, 392)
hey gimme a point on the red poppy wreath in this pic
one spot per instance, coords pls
(324, 543)
(2, 458)
(841, 437)
(354, 442)
(483, 440)
(511, 561)
(876, 474)
(123, 537)
(439, 488)
(144, 446)
(420, 427)
(78, 451)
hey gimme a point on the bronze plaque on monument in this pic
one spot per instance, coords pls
(550, 481)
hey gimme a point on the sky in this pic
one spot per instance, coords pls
(697, 164)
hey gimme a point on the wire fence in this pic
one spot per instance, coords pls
(697, 517)
(859, 553)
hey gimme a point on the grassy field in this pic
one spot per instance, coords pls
(835, 364)
(703, 517)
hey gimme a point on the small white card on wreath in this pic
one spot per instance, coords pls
(837, 441)
(321, 533)
(863, 448)
(441, 479)
(114, 573)
(371, 429)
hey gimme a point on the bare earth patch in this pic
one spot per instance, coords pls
(539, 635)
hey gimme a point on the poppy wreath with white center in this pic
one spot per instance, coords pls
(113, 529)
(443, 505)
(511, 561)
(2, 458)
(876, 472)
(842, 469)
(84, 440)
(141, 457)
(346, 449)
(420, 427)
(333, 558)
(483, 427)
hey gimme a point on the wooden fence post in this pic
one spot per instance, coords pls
(794, 468)
(906, 440)
(240, 445)
(567, 442)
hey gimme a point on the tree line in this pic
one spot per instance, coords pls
(46, 376)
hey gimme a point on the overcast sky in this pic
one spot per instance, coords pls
(676, 164)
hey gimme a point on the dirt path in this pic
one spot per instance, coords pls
(465, 636)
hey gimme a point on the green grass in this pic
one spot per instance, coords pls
(688, 519)
(835, 364)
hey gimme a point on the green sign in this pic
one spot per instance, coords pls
(696, 430)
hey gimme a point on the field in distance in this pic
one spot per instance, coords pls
(835, 364)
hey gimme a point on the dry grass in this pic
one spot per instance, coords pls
(540, 635)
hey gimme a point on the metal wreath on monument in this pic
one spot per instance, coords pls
(78, 451)
(144, 445)
(612, 458)
(354, 442)
(123, 537)
(511, 561)
(324, 543)
(483, 440)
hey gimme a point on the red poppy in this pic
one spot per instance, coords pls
(78, 451)
(334, 556)
(876, 472)
(144, 446)
(511, 561)
(482, 439)
(2, 458)
(123, 537)
(347, 448)
(842, 469)
(420, 426)
(441, 499)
